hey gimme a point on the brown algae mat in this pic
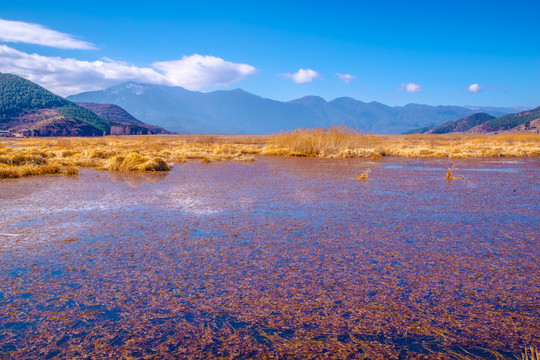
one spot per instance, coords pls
(280, 258)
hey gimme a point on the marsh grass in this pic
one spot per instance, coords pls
(40, 156)
(364, 176)
(136, 162)
(340, 142)
(449, 175)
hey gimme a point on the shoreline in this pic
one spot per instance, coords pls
(64, 156)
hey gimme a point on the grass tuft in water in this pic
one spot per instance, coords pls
(449, 175)
(364, 175)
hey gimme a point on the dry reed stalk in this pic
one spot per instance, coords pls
(364, 175)
(449, 175)
(530, 354)
(339, 142)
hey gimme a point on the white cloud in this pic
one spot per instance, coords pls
(410, 87)
(474, 88)
(66, 76)
(303, 76)
(346, 78)
(22, 32)
(197, 71)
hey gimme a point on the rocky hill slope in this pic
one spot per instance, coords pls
(121, 122)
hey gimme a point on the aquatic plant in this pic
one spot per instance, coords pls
(364, 175)
(310, 268)
(449, 175)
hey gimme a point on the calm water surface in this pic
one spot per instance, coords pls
(280, 257)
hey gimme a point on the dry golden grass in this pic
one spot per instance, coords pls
(449, 175)
(40, 156)
(364, 176)
(343, 143)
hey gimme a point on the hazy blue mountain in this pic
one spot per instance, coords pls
(237, 111)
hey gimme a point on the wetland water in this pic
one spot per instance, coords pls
(282, 257)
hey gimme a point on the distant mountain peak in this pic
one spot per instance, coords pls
(309, 99)
(137, 88)
(133, 87)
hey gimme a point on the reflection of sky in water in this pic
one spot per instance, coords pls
(65, 204)
(203, 199)
(424, 168)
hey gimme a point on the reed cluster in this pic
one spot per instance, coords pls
(40, 156)
(339, 142)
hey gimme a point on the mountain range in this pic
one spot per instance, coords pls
(237, 111)
(26, 106)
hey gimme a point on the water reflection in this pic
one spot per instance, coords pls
(137, 179)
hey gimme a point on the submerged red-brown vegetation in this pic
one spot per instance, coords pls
(277, 258)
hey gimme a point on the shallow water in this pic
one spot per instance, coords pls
(280, 257)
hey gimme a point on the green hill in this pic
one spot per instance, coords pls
(20, 97)
(18, 94)
(462, 125)
(483, 123)
(510, 121)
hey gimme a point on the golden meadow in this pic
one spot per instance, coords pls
(64, 156)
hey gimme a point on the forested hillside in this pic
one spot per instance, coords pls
(18, 94)
(20, 98)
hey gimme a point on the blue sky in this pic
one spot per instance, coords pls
(395, 52)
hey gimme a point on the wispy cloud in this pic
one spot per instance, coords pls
(346, 78)
(473, 88)
(197, 71)
(499, 87)
(66, 76)
(28, 33)
(302, 76)
(410, 87)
